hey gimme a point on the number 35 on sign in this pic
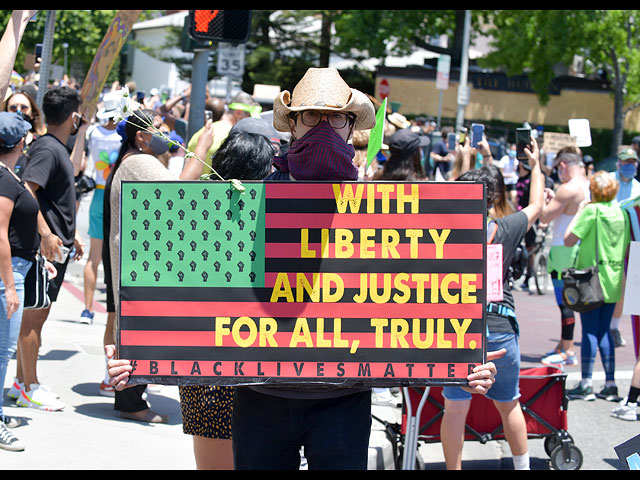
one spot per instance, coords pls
(230, 60)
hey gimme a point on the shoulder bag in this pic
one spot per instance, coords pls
(582, 291)
(36, 284)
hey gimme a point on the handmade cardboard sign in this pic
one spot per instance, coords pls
(360, 284)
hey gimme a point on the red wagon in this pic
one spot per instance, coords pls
(543, 400)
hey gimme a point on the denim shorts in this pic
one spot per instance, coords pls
(507, 385)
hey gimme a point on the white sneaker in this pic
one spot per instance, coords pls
(384, 398)
(40, 398)
(625, 411)
(16, 388)
(8, 440)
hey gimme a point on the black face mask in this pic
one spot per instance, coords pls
(25, 117)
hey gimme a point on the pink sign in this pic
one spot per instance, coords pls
(494, 273)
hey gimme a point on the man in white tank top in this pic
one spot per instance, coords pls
(560, 208)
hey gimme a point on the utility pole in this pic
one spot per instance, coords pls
(463, 90)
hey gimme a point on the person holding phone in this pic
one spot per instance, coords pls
(502, 328)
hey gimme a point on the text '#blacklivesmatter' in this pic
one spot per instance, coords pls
(363, 283)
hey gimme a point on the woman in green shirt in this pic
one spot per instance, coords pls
(600, 224)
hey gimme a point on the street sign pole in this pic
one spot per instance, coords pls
(198, 92)
(442, 81)
(463, 90)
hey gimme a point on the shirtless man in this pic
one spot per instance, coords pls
(560, 208)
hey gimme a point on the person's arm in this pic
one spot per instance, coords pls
(9, 44)
(6, 270)
(570, 238)
(536, 187)
(77, 154)
(485, 151)
(49, 242)
(193, 166)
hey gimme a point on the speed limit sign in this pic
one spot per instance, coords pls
(230, 60)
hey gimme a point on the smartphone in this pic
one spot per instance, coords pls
(451, 141)
(477, 132)
(208, 115)
(523, 140)
(139, 97)
(38, 51)
(63, 253)
(462, 135)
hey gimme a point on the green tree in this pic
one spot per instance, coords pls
(536, 41)
(82, 30)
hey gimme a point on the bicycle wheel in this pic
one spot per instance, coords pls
(540, 274)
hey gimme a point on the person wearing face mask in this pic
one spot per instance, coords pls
(629, 187)
(49, 173)
(508, 166)
(561, 206)
(332, 423)
(137, 160)
(627, 167)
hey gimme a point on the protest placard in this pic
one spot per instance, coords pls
(554, 141)
(374, 283)
(105, 57)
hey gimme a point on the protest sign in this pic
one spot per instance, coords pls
(629, 453)
(553, 141)
(632, 282)
(105, 57)
(374, 283)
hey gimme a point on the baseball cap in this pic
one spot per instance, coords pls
(405, 141)
(259, 126)
(12, 129)
(628, 154)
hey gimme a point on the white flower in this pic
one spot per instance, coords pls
(237, 184)
(126, 106)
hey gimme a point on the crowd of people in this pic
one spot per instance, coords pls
(319, 131)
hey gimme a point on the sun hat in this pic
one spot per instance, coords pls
(398, 120)
(12, 129)
(110, 106)
(323, 89)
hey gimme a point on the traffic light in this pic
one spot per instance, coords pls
(230, 26)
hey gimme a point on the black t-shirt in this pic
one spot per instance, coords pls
(50, 167)
(510, 232)
(23, 225)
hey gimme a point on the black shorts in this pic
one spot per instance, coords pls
(56, 283)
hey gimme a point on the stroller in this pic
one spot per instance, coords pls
(543, 401)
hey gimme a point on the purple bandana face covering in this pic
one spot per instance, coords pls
(321, 154)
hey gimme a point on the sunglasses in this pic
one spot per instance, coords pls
(16, 106)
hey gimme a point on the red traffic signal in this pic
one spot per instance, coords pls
(231, 26)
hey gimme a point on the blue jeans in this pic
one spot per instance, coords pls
(507, 385)
(596, 336)
(268, 431)
(10, 327)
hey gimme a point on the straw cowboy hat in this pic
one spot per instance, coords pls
(323, 89)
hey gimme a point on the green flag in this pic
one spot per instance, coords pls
(377, 133)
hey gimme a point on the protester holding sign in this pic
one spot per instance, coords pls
(502, 328)
(321, 115)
